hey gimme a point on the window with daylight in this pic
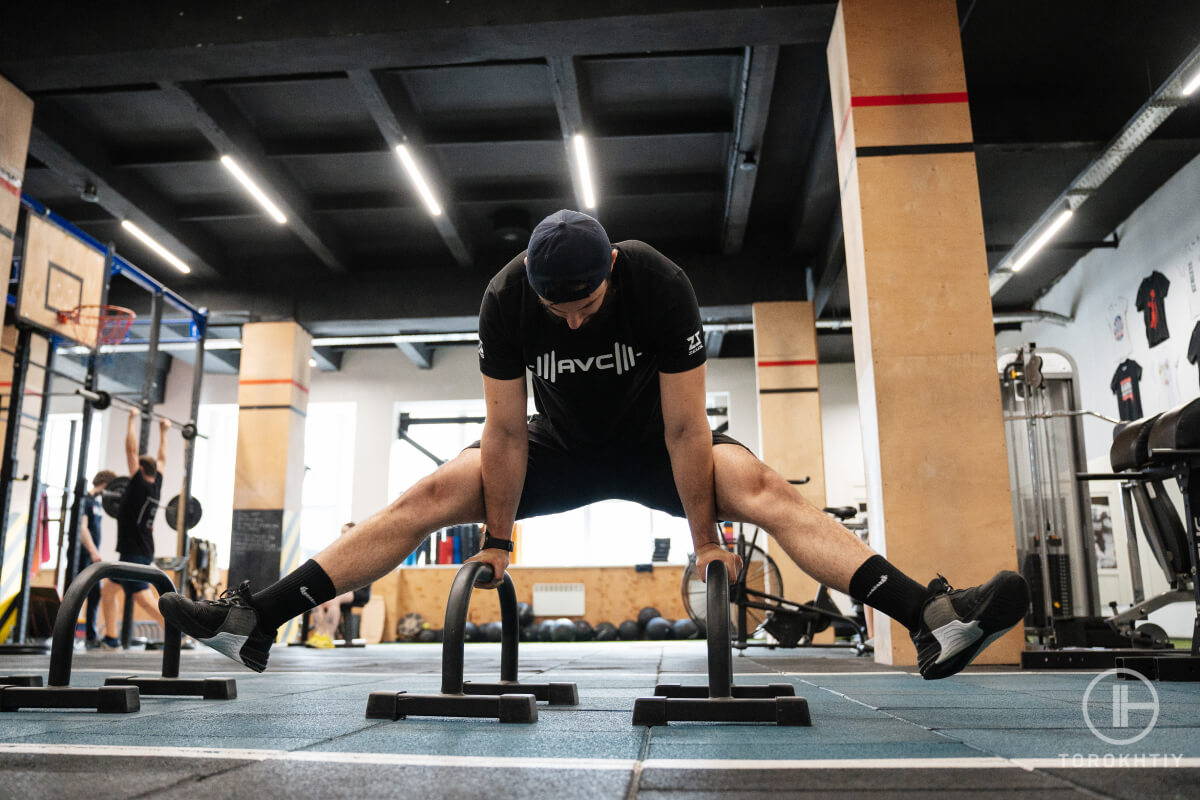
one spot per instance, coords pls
(213, 467)
(328, 474)
(613, 532)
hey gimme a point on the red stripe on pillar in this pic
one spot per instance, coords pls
(804, 363)
(908, 99)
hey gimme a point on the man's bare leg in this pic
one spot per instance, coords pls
(452, 495)
(949, 627)
(749, 491)
(147, 601)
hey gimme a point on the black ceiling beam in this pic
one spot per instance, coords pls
(564, 84)
(391, 108)
(40, 52)
(833, 264)
(713, 341)
(750, 121)
(420, 354)
(622, 186)
(421, 290)
(78, 160)
(228, 131)
(167, 156)
(328, 359)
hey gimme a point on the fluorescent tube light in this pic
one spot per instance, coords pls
(162, 252)
(252, 187)
(418, 179)
(1192, 84)
(585, 171)
(1041, 240)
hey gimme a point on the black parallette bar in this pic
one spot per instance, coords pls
(795, 390)
(770, 690)
(207, 688)
(914, 149)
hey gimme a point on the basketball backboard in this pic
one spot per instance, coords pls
(59, 273)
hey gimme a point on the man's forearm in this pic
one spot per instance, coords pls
(692, 465)
(502, 461)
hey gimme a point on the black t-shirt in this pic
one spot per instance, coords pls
(1126, 386)
(135, 518)
(1151, 293)
(598, 385)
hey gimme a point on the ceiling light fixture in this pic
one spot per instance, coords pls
(250, 186)
(162, 252)
(418, 179)
(585, 171)
(1192, 84)
(1040, 242)
(312, 362)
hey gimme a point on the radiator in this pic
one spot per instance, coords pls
(558, 600)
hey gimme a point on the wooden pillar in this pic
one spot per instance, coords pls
(789, 419)
(16, 119)
(269, 475)
(923, 339)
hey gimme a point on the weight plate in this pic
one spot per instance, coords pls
(110, 498)
(190, 519)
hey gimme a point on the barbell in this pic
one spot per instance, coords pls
(100, 400)
(110, 499)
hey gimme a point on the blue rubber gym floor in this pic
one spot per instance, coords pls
(300, 730)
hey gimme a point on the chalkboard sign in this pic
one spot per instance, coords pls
(254, 546)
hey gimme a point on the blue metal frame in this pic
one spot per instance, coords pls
(120, 266)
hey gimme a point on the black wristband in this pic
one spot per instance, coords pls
(491, 542)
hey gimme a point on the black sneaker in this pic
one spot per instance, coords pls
(228, 624)
(957, 624)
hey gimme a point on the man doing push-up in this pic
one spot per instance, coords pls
(613, 338)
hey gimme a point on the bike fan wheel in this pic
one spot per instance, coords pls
(761, 575)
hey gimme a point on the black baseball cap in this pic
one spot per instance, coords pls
(569, 256)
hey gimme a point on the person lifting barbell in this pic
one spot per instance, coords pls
(135, 519)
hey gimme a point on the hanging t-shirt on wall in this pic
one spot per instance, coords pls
(1150, 296)
(1126, 386)
(1118, 324)
(1191, 269)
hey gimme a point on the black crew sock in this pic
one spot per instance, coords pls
(878, 584)
(292, 595)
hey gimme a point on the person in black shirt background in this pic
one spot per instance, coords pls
(135, 523)
(613, 338)
(89, 550)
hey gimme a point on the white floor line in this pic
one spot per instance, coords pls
(514, 762)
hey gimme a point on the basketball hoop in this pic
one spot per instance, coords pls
(111, 323)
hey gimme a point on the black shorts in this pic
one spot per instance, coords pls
(133, 585)
(558, 479)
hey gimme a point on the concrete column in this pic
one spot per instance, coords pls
(269, 474)
(789, 419)
(924, 347)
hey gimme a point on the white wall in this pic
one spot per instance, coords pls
(1164, 235)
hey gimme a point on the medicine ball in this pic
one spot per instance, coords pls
(629, 630)
(605, 632)
(427, 635)
(493, 631)
(645, 615)
(658, 629)
(546, 631)
(408, 627)
(525, 613)
(471, 633)
(529, 633)
(583, 631)
(685, 629)
(563, 630)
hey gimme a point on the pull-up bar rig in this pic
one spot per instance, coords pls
(114, 265)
